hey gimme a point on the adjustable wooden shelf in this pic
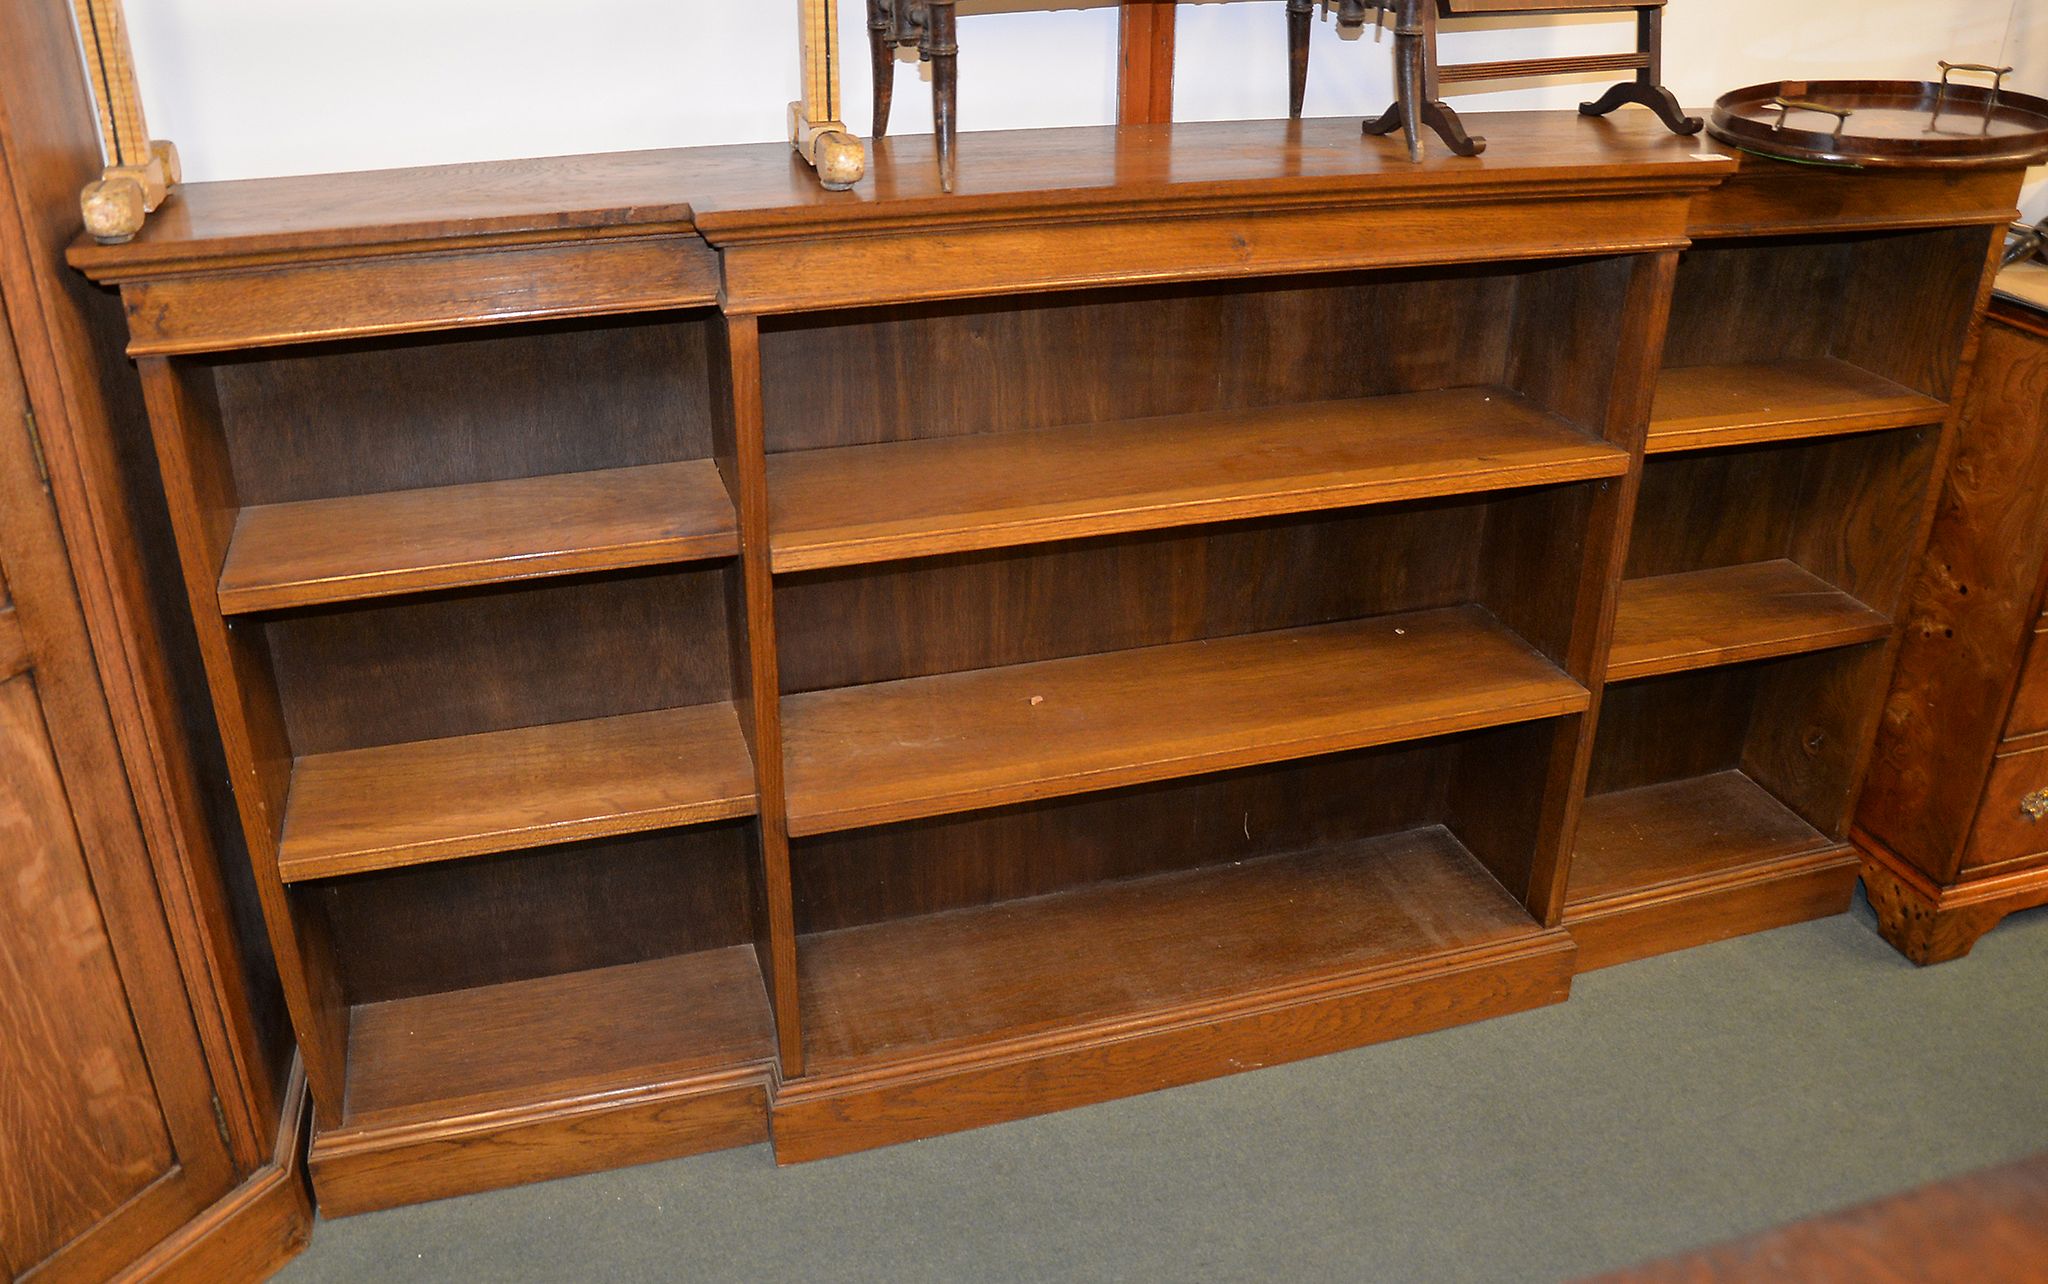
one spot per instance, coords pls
(692, 647)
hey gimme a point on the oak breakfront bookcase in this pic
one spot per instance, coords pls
(697, 652)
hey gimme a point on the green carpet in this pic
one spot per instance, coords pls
(1671, 1103)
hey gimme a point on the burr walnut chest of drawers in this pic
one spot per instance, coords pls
(1954, 824)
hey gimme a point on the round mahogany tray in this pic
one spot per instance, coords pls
(1887, 122)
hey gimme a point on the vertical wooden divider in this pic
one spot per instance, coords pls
(1144, 82)
(200, 488)
(742, 460)
(1623, 407)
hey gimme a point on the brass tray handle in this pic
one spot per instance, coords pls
(1786, 106)
(2035, 805)
(1949, 68)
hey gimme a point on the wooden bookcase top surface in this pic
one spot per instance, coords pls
(746, 187)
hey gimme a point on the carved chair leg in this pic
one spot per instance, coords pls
(1656, 97)
(943, 49)
(1411, 97)
(1299, 14)
(882, 49)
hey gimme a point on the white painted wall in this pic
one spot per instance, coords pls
(258, 87)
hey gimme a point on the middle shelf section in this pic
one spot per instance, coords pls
(1038, 547)
(492, 615)
(515, 453)
(455, 724)
(921, 746)
(940, 429)
(855, 504)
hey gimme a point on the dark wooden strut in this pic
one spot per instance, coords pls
(1419, 75)
(928, 26)
(1647, 89)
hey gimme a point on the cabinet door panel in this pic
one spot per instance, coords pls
(80, 1130)
(110, 1138)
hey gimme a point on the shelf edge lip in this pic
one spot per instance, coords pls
(307, 869)
(1535, 941)
(284, 595)
(355, 1138)
(1712, 230)
(1663, 665)
(135, 261)
(1675, 441)
(1824, 853)
(1561, 704)
(789, 557)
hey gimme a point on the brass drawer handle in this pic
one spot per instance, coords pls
(2035, 805)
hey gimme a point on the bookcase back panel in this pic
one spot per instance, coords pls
(1782, 299)
(449, 664)
(1817, 715)
(1572, 321)
(952, 369)
(1755, 301)
(1715, 508)
(437, 928)
(1672, 728)
(1860, 511)
(941, 615)
(436, 410)
(1909, 302)
(923, 867)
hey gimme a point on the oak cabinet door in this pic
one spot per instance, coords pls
(109, 1136)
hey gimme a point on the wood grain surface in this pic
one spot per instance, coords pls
(924, 746)
(556, 1037)
(748, 185)
(955, 494)
(1120, 949)
(1730, 614)
(1973, 609)
(407, 804)
(82, 1131)
(1988, 1225)
(352, 547)
(1682, 829)
(480, 1088)
(1730, 405)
